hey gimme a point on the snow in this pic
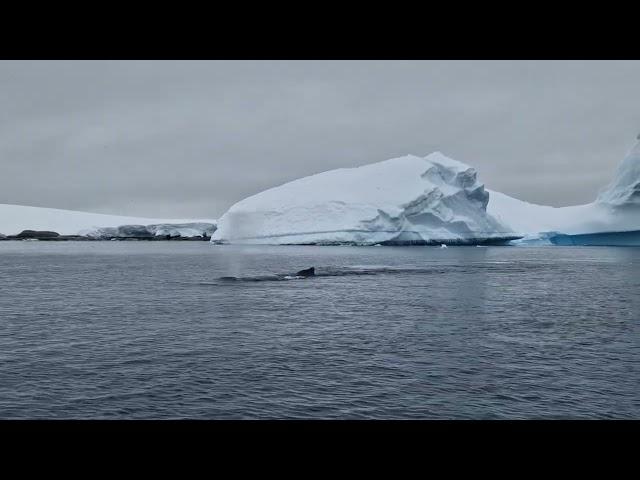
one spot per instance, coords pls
(625, 188)
(617, 208)
(189, 229)
(16, 218)
(408, 199)
(529, 218)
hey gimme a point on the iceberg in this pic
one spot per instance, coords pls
(163, 230)
(430, 200)
(611, 219)
(17, 218)
(624, 190)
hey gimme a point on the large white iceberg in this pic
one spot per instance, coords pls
(616, 209)
(16, 218)
(406, 200)
(427, 200)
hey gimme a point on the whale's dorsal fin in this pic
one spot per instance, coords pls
(309, 272)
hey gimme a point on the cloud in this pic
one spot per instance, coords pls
(188, 139)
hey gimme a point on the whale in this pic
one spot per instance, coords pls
(308, 272)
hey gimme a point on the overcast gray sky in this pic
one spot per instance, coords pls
(188, 139)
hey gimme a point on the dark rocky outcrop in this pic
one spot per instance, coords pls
(42, 236)
(37, 234)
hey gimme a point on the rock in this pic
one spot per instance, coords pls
(37, 234)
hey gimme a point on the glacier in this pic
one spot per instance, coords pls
(401, 201)
(17, 218)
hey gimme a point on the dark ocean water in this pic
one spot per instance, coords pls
(150, 330)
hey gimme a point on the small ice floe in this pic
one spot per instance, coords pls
(443, 246)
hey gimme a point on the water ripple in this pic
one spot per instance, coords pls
(121, 330)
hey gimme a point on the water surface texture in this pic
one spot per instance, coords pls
(153, 330)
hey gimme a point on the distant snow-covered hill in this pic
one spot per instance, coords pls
(16, 218)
